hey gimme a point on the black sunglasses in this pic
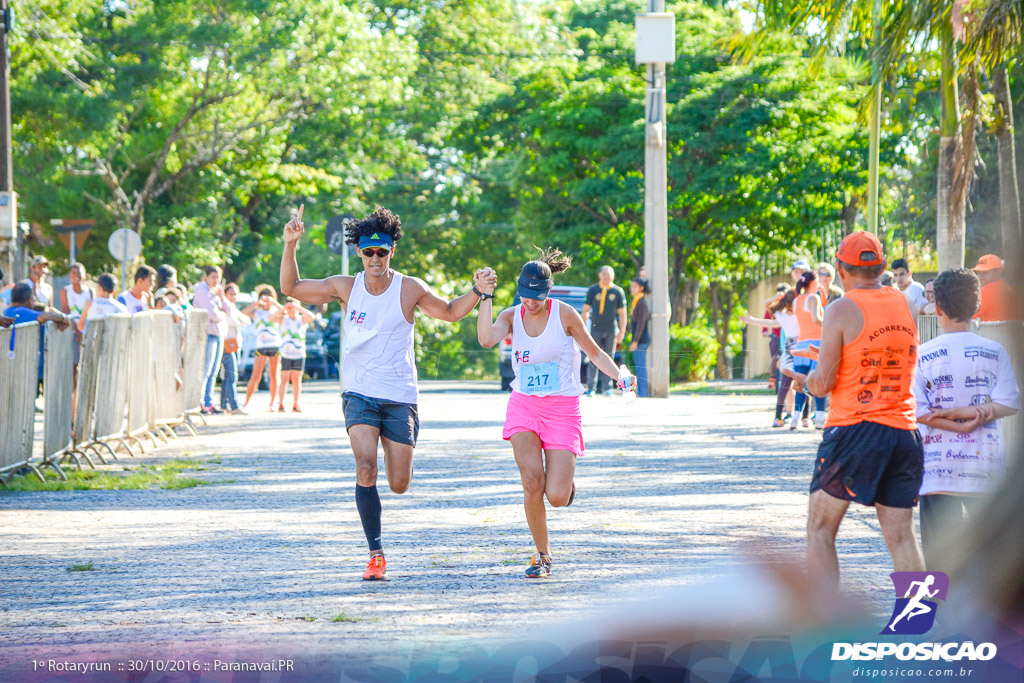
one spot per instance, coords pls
(379, 252)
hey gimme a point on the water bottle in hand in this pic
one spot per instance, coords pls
(626, 384)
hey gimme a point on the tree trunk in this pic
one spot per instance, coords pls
(721, 315)
(949, 232)
(1009, 193)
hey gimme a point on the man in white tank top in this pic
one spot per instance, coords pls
(379, 369)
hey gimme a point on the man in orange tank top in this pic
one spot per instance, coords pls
(871, 451)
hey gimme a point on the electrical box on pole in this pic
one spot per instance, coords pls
(655, 46)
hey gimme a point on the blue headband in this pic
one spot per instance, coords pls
(377, 239)
(534, 288)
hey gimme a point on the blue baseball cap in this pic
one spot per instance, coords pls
(377, 239)
(534, 288)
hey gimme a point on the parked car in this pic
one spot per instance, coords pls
(575, 297)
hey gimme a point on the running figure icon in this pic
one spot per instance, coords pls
(915, 607)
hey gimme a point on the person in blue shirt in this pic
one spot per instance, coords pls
(21, 310)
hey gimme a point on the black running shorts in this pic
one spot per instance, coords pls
(398, 422)
(293, 364)
(268, 352)
(870, 463)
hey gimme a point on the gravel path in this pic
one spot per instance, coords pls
(271, 552)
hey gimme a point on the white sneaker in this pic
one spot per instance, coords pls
(819, 422)
(795, 422)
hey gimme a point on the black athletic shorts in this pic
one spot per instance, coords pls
(268, 352)
(399, 422)
(870, 463)
(293, 364)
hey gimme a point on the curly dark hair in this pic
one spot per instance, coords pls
(381, 220)
(548, 262)
(958, 293)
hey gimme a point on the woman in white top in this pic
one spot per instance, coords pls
(268, 341)
(543, 417)
(781, 310)
(294, 319)
(73, 299)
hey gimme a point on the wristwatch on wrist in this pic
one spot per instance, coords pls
(480, 294)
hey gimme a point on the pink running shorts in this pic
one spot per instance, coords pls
(555, 419)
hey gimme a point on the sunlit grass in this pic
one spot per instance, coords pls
(166, 475)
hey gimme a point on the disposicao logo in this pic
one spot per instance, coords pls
(914, 614)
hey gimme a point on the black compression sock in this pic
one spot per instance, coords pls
(368, 504)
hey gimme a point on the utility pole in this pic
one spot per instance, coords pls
(875, 116)
(655, 45)
(10, 236)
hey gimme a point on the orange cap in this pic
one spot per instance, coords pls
(860, 249)
(988, 262)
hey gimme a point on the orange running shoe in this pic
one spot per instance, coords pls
(540, 566)
(377, 569)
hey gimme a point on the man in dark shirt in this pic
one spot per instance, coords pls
(606, 307)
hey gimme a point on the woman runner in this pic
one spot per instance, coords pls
(268, 341)
(294, 321)
(543, 417)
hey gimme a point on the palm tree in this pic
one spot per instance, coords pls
(896, 27)
(990, 31)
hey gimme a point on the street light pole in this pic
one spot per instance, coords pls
(656, 46)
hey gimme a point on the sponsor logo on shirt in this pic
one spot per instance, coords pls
(941, 382)
(865, 396)
(357, 317)
(935, 437)
(937, 353)
(891, 328)
(523, 357)
(982, 379)
(979, 352)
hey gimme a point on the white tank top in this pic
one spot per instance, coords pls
(293, 338)
(379, 352)
(546, 365)
(268, 334)
(76, 302)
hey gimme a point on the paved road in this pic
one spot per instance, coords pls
(272, 552)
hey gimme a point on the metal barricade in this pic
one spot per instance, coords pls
(57, 376)
(1010, 335)
(141, 380)
(85, 395)
(195, 360)
(928, 327)
(112, 384)
(19, 377)
(168, 406)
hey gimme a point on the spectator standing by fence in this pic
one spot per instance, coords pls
(232, 343)
(138, 297)
(103, 303)
(998, 300)
(828, 290)
(606, 307)
(73, 299)
(22, 310)
(964, 385)
(209, 295)
(640, 326)
(268, 341)
(42, 292)
(294, 321)
(914, 291)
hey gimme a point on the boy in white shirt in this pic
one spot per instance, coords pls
(964, 385)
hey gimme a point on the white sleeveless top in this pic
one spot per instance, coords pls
(379, 353)
(293, 338)
(546, 365)
(76, 302)
(268, 334)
